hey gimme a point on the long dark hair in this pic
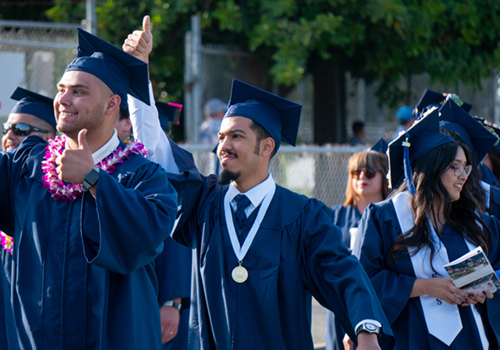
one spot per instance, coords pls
(462, 215)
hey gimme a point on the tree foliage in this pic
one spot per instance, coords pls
(376, 39)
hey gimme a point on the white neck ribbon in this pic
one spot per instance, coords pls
(241, 251)
(442, 319)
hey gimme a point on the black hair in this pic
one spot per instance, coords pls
(462, 215)
(124, 113)
(357, 127)
(261, 134)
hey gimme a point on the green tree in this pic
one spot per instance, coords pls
(377, 40)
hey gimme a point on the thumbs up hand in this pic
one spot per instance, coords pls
(140, 43)
(74, 164)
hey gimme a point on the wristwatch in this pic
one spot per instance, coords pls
(369, 328)
(173, 303)
(90, 179)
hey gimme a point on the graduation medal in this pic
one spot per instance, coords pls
(239, 274)
(57, 188)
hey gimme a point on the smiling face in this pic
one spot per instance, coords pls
(83, 102)
(10, 140)
(451, 182)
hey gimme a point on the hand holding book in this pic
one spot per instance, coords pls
(473, 273)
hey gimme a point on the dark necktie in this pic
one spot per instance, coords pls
(242, 202)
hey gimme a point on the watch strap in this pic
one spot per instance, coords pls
(175, 304)
(90, 179)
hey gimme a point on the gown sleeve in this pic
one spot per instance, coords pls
(133, 218)
(147, 129)
(12, 165)
(493, 305)
(334, 277)
(372, 247)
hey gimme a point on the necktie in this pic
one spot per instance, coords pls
(242, 202)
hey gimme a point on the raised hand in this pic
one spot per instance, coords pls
(140, 43)
(74, 164)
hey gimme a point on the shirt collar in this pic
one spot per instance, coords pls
(255, 194)
(107, 149)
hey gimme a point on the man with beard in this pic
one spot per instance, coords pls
(256, 264)
(89, 215)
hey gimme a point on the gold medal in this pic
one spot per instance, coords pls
(239, 274)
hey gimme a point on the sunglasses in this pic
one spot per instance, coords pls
(369, 173)
(21, 129)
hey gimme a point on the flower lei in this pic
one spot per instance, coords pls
(7, 242)
(69, 192)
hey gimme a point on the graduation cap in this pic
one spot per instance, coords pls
(168, 113)
(121, 72)
(492, 127)
(412, 145)
(479, 139)
(279, 116)
(35, 104)
(434, 99)
(380, 146)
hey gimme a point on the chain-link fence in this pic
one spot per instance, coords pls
(33, 55)
(317, 172)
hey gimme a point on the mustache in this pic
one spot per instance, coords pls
(224, 153)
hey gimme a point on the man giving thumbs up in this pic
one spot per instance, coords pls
(84, 271)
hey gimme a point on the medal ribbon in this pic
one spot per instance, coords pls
(241, 251)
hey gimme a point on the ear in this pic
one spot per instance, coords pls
(268, 146)
(113, 105)
(48, 136)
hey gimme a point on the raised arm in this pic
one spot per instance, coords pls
(144, 118)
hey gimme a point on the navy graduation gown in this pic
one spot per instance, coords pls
(345, 217)
(393, 282)
(83, 278)
(173, 266)
(297, 253)
(8, 330)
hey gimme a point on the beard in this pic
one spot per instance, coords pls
(227, 176)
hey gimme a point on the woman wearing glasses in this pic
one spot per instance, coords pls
(430, 220)
(367, 183)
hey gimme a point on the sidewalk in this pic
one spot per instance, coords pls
(318, 325)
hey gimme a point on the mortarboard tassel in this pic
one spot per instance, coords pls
(407, 166)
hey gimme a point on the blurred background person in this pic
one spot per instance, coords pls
(405, 119)
(358, 134)
(367, 183)
(214, 110)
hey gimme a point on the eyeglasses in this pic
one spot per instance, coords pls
(458, 169)
(369, 173)
(21, 129)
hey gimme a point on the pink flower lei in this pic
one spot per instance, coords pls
(7, 242)
(69, 192)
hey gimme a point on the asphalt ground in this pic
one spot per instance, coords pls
(318, 325)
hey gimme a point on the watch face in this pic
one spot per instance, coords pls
(371, 327)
